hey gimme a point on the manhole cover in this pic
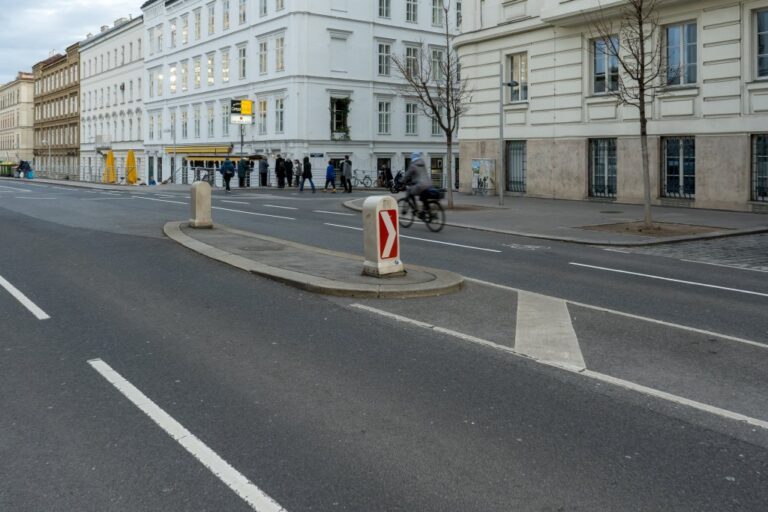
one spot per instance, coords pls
(612, 211)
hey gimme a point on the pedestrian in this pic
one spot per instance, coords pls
(330, 177)
(346, 174)
(242, 172)
(297, 172)
(306, 174)
(280, 171)
(227, 170)
(263, 170)
(288, 172)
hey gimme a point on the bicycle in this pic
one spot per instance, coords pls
(365, 181)
(433, 216)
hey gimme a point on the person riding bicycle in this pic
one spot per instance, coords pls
(418, 179)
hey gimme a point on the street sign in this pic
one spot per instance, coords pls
(316, 155)
(388, 239)
(242, 112)
(240, 119)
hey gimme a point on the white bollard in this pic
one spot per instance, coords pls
(201, 205)
(381, 237)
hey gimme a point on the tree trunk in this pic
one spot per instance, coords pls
(647, 221)
(450, 172)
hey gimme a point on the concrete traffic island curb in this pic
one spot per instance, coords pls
(309, 268)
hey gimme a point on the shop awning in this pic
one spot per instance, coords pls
(198, 150)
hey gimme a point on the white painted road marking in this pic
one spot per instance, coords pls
(160, 200)
(16, 189)
(724, 413)
(334, 213)
(420, 239)
(725, 266)
(544, 331)
(281, 207)
(234, 202)
(255, 497)
(630, 315)
(693, 283)
(33, 198)
(252, 213)
(341, 226)
(31, 306)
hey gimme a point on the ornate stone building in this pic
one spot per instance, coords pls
(57, 115)
(16, 119)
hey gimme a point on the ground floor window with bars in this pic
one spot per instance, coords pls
(678, 167)
(516, 165)
(760, 168)
(602, 167)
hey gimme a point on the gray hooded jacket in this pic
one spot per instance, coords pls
(417, 177)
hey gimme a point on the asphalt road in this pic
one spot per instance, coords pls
(327, 408)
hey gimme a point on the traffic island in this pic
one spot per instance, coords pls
(309, 268)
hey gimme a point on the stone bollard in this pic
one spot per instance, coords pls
(381, 237)
(201, 205)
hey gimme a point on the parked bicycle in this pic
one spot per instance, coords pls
(357, 181)
(433, 216)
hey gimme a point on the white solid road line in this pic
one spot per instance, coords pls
(16, 189)
(255, 497)
(630, 315)
(234, 202)
(335, 213)
(160, 200)
(650, 276)
(724, 413)
(34, 198)
(281, 207)
(724, 266)
(31, 306)
(421, 239)
(252, 213)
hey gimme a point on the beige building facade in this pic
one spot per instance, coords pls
(57, 115)
(17, 119)
(566, 136)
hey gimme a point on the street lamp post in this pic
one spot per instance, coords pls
(499, 168)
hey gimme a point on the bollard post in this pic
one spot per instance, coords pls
(200, 201)
(381, 237)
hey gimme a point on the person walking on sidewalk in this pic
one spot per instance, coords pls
(242, 172)
(227, 170)
(346, 174)
(280, 171)
(306, 174)
(263, 170)
(297, 172)
(330, 177)
(288, 172)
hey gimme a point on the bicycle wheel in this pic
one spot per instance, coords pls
(367, 182)
(405, 212)
(435, 218)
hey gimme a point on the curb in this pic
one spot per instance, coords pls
(444, 283)
(671, 240)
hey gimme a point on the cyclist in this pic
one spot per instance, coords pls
(419, 181)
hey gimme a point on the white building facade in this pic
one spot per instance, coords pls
(112, 69)
(319, 74)
(17, 110)
(565, 135)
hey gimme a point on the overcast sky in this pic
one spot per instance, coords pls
(32, 28)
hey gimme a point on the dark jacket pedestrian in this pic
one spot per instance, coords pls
(330, 177)
(297, 173)
(242, 172)
(288, 172)
(227, 170)
(280, 171)
(346, 174)
(263, 171)
(306, 174)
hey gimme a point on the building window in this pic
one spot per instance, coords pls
(340, 117)
(518, 73)
(225, 118)
(242, 10)
(151, 33)
(262, 117)
(184, 29)
(211, 18)
(151, 89)
(438, 64)
(412, 11)
(605, 65)
(173, 33)
(184, 123)
(241, 56)
(210, 69)
(678, 167)
(184, 74)
(760, 167)
(411, 119)
(151, 127)
(279, 115)
(680, 54)
(385, 57)
(159, 33)
(412, 60)
(436, 128)
(602, 167)
(225, 66)
(262, 7)
(172, 78)
(280, 54)
(385, 117)
(197, 29)
(225, 14)
(437, 13)
(762, 44)
(385, 8)
(279, 5)
(196, 69)
(211, 120)
(517, 161)
(197, 121)
(263, 57)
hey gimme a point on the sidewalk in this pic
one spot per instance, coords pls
(562, 220)
(309, 268)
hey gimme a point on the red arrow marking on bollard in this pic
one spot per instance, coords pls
(388, 234)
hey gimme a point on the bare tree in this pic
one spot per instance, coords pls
(632, 39)
(433, 79)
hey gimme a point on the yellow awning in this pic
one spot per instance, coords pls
(198, 150)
